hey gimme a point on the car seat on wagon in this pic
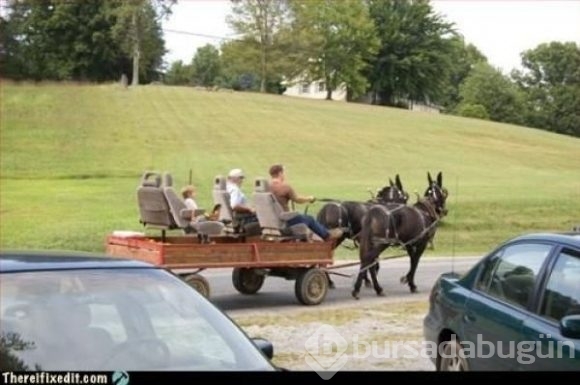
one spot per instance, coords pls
(221, 199)
(153, 207)
(273, 218)
(183, 217)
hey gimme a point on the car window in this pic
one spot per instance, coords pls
(106, 316)
(510, 275)
(562, 294)
(108, 319)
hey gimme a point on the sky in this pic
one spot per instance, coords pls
(500, 29)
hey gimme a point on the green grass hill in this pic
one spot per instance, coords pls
(72, 156)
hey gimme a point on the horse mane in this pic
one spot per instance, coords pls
(428, 206)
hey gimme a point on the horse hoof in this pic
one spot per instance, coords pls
(355, 294)
(404, 279)
(381, 293)
(331, 285)
(368, 285)
(414, 290)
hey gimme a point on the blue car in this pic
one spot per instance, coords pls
(517, 309)
(79, 312)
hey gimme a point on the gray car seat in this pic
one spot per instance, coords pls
(272, 217)
(184, 217)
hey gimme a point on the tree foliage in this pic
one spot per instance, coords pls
(341, 39)
(137, 29)
(73, 40)
(260, 22)
(551, 82)
(415, 52)
(206, 66)
(463, 58)
(60, 41)
(473, 111)
(488, 87)
(178, 74)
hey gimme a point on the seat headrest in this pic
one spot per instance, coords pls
(167, 180)
(261, 185)
(151, 179)
(219, 183)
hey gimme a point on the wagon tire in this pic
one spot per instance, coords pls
(311, 286)
(247, 281)
(199, 283)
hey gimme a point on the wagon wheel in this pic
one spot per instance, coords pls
(247, 281)
(311, 286)
(199, 283)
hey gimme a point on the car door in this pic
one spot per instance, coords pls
(499, 303)
(559, 297)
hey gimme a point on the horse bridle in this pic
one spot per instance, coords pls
(391, 198)
(437, 195)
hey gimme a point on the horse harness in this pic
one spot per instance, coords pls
(430, 210)
(340, 210)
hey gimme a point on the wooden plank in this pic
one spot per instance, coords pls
(140, 254)
(222, 254)
(226, 251)
(295, 251)
(258, 264)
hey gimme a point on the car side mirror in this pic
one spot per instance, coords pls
(570, 326)
(265, 346)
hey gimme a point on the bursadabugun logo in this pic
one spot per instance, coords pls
(326, 351)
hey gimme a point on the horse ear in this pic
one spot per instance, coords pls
(429, 178)
(391, 182)
(440, 179)
(399, 184)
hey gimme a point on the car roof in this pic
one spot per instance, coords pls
(567, 238)
(33, 260)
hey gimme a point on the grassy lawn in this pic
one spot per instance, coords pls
(72, 156)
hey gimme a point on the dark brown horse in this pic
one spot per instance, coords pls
(410, 227)
(348, 215)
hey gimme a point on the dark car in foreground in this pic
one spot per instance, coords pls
(517, 309)
(73, 311)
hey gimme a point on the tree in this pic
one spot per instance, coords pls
(463, 58)
(551, 83)
(59, 40)
(178, 74)
(206, 66)
(488, 87)
(138, 30)
(260, 21)
(79, 40)
(473, 111)
(341, 40)
(415, 52)
(240, 64)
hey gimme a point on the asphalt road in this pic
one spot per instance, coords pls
(278, 293)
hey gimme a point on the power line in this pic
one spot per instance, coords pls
(199, 34)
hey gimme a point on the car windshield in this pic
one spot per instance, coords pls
(109, 319)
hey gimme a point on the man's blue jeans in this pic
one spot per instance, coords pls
(312, 224)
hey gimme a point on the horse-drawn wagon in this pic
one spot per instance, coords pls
(253, 252)
(270, 247)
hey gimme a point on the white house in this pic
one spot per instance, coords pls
(313, 90)
(317, 90)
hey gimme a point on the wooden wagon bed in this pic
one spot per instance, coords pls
(252, 259)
